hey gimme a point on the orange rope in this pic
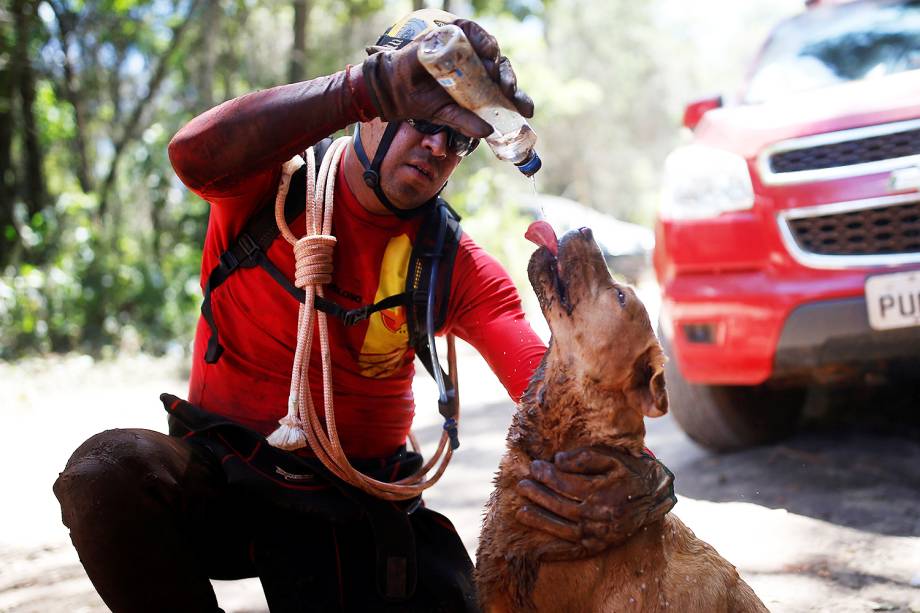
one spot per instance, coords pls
(313, 269)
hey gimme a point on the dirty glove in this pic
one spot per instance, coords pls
(592, 498)
(401, 88)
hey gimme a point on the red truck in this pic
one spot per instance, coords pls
(788, 239)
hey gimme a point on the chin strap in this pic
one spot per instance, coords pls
(372, 170)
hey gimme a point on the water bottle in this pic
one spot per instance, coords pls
(447, 54)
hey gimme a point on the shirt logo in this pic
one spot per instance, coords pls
(387, 339)
(394, 319)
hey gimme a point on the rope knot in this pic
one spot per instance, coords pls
(313, 260)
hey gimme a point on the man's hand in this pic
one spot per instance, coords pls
(591, 499)
(401, 88)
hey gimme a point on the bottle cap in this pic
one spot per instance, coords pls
(531, 165)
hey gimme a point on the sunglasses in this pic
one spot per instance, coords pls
(457, 142)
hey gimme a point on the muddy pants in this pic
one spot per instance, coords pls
(153, 521)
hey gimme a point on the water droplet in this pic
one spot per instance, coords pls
(536, 192)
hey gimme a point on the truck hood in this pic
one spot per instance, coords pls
(748, 128)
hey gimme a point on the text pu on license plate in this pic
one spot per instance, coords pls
(893, 300)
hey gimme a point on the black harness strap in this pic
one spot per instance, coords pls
(432, 262)
(371, 174)
(250, 247)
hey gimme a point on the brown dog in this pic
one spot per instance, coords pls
(601, 375)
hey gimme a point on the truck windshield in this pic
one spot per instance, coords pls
(837, 43)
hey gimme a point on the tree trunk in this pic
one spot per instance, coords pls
(8, 236)
(74, 95)
(418, 5)
(230, 57)
(210, 30)
(298, 66)
(445, 6)
(156, 232)
(23, 16)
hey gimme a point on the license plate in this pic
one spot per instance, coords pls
(894, 300)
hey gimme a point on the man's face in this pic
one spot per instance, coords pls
(415, 167)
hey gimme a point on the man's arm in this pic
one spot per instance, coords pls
(259, 131)
(485, 311)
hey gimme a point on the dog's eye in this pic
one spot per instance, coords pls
(621, 297)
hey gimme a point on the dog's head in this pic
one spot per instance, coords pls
(601, 333)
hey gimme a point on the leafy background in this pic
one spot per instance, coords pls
(100, 243)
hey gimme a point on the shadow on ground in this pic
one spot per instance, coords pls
(855, 463)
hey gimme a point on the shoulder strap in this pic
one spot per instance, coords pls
(251, 245)
(443, 223)
(428, 287)
(261, 227)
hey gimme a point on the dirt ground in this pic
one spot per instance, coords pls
(826, 521)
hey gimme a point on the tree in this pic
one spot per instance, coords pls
(298, 63)
(66, 22)
(104, 237)
(129, 129)
(9, 237)
(34, 184)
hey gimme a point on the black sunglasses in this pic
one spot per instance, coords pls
(457, 142)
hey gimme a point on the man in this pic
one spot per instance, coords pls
(153, 517)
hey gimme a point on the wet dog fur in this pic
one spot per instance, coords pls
(601, 375)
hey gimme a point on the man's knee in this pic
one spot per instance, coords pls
(103, 473)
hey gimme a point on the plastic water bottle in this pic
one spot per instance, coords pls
(447, 54)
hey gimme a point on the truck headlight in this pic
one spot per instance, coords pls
(701, 181)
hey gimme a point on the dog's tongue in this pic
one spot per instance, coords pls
(541, 233)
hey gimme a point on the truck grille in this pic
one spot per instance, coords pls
(848, 153)
(870, 231)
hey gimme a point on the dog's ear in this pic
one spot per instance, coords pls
(651, 392)
(658, 394)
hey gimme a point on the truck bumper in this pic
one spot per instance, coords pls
(748, 327)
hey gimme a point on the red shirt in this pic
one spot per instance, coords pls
(372, 366)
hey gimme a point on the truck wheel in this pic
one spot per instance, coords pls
(731, 417)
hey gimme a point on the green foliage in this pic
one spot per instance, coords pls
(54, 116)
(107, 253)
(96, 291)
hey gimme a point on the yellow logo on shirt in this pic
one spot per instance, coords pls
(387, 339)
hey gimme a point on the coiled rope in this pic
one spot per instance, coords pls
(313, 269)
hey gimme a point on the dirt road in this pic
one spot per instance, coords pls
(827, 521)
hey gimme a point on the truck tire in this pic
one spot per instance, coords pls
(731, 417)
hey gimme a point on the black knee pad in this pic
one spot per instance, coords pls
(98, 471)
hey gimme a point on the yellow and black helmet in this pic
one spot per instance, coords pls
(411, 27)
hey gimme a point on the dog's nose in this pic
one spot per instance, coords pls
(586, 232)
